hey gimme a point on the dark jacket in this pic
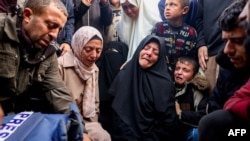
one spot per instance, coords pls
(26, 86)
(209, 33)
(98, 15)
(229, 80)
(193, 100)
(67, 32)
(80, 9)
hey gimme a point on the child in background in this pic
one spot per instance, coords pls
(191, 97)
(189, 18)
(180, 38)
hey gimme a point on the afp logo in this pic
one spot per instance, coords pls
(237, 132)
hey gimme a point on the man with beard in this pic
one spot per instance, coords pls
(29, 76)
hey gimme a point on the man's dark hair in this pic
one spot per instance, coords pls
(38, 6)
(229, 17)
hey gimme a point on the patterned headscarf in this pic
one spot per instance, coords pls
(81, 37)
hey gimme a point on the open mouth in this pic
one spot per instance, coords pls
(44, 43)
(234, 60)
(178, 78)
(145, 59)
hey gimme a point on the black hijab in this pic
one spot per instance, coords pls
(144, 97)
(112, 58)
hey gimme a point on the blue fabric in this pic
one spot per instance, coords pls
(193, 135)
(67, 32)
(75, 130)
(42, 127)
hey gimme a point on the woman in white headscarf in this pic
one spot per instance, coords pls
(80, 74)
(137, 20)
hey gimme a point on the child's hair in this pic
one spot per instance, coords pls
(190, 60)
(185, 3)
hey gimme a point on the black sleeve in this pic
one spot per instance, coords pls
(80, 9)
(192, 118)
(106, 14)
(163, 129)
(199, 25)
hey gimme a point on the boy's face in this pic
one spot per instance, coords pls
(184, 72)
(174, 9)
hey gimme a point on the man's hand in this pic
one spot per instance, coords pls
(65, 48)
(203, 57)
(86, 137)
(1, 114)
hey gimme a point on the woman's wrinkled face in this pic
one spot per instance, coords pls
(91, 52)
(149, 55)
(130, 9)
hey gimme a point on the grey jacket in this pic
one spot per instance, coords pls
(209, 33)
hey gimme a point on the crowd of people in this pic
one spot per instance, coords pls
(137, 70)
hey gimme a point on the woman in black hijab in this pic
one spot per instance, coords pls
(144, 103)
(113, 56)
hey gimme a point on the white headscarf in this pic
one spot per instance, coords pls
(132, 31)
(81, 37)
